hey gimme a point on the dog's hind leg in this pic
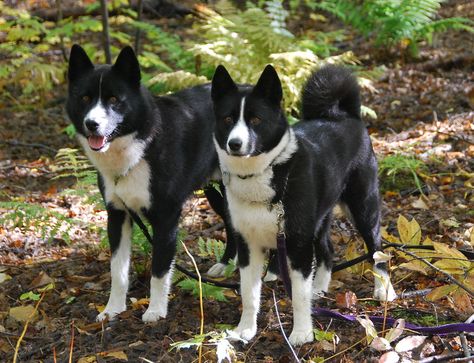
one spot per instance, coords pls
(218, 203)
(164, 224)
(362, 197)
(119, 230)
(323, 252)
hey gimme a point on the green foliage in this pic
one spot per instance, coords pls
(398, 172)
(257, 36)
(43, 222)
(393, 22)
(35, 48)
(71, 163)
(208, 291)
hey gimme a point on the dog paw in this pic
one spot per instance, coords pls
(246, 333)
(385, 294)
(270, 276)
(300, 337)
(109, 313)
(217, 270)
(151, 316)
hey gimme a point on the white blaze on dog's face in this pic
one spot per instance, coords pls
(239, 140)
(103, 98)
(249, 120)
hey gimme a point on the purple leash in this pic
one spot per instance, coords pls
(439, 330)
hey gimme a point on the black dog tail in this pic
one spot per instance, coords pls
(330, 93)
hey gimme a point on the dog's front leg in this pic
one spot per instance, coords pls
(301, 299)
(251, 266)
(119, 230)
(164, 250)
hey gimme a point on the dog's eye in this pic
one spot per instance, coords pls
(228, 120)
(255, 121)
(86, 99)
(113, 100)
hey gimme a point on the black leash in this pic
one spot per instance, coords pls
(281, 248)
(136, 218)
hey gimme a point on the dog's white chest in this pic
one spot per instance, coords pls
(249, 200)
(125, 173)
(133, 189)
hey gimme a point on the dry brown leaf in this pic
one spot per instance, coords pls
(346, 300)
(24, 313)
(41, 280)
(118, 355)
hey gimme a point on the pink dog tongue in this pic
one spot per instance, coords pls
(96, 142)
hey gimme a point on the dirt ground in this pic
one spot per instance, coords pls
(425, 108)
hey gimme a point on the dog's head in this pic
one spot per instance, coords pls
(249, 120)
(103, 101)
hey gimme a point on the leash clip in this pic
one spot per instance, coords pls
(280, 217)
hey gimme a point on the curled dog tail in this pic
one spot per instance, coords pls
(330, 93)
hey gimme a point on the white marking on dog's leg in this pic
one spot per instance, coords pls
(383, 289)
(250, 285)
(119, 267)
(159, 291)
(301, 299)
(321, 280)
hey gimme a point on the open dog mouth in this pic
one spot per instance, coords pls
(97, 142)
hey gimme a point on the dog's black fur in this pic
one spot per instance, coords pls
(307, 169)
(150, 153)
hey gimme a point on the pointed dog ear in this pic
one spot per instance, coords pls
(79, 63)
(269, 86)
(127, 66)
(222, 83)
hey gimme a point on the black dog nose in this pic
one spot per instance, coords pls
(91, 125)
(235, 144)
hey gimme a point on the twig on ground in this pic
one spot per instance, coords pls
(25, 144)
(17, 347)
(71, 347)
(441, 358)
(201, 304)
(450, 278)
(281, 328)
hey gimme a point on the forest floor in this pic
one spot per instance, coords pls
(425, 109)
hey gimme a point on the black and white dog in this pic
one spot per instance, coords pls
(150, 153)
(295, 175)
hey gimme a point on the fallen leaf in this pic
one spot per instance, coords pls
(118, 355)
(88, 359)
(420, 204)
(395, 332)
(441, 291)
(24, 313)
(409, 231)
(138, 304)
(4, 277)
(41, 280)
(409, 343)
(389, 357)
(380, 344)
(462, 303)
(346, 300)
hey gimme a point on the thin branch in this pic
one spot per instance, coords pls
(34, 145)
(105, 30)
(138, 32)
(58, 21)
(450, 278)
(281, 328)
(17, 347)
(201, 304)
